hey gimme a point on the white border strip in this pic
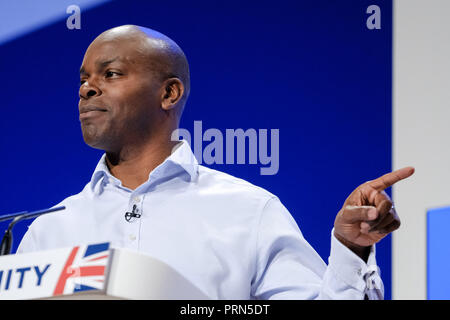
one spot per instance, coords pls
(421, 132)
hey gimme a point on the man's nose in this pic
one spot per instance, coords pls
(87, 90)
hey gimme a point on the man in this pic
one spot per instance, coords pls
(230, 238)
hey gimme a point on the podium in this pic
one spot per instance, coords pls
(92, 272)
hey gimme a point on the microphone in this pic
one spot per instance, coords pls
(132, 214)
(7, 241)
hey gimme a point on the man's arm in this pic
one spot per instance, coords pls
(28, 242)
(287, 267)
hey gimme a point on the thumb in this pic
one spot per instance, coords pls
(353, 214)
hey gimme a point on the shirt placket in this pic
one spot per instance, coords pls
(135, 211)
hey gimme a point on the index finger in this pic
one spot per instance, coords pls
(391, 178)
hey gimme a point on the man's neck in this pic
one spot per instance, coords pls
(133, 164)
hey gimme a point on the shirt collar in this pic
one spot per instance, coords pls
(181, 157)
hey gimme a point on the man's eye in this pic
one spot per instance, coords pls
(110, 74)
(82, 82)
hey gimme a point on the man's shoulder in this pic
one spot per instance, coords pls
(70, 203)
(79, 198)
(48, 231)
(225, 183)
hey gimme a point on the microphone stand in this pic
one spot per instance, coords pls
(7, 241)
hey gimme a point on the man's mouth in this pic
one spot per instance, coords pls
(91, 111)
(87, 109)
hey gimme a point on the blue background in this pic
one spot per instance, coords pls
(309, 68)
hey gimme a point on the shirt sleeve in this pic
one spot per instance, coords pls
(287, 267)
(28, 243)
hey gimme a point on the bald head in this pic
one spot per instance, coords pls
(160, 54)
(131, 75)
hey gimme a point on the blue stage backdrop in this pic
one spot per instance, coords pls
(311, 69)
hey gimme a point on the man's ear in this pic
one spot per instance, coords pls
(173, 90)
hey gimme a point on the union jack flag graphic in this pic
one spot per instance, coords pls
(84, 269)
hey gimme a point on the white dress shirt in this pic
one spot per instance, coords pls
(232, 239)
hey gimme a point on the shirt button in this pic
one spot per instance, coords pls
(136, 199)
(359, 271)
(132, 237)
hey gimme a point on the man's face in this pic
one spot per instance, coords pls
(119, 97)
